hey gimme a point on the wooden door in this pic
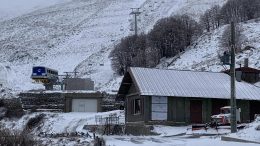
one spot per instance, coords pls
(196, 111)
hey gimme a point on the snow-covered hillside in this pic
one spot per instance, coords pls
(77, 35)
(13, 8)
(203, 54)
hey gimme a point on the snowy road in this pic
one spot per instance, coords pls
(169, 141)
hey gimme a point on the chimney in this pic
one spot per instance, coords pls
(246, 62)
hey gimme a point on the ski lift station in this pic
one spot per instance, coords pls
(77, 94)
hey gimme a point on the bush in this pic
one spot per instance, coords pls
(12, 138)
(33, 122)
(14, 108)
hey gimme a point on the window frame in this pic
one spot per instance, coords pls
(137, 101)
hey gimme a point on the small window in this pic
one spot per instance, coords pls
(137, 106)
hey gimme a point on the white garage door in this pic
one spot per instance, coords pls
(84, 105)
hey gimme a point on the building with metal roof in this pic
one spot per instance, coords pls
(181, 97)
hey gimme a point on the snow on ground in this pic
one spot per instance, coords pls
(56, 123)
(196, 8)
(60, 128)
(6, 93)
(169, 130)
(169, 141)
(14, 8)
(74, 122)
(257, 84)
(179, 136)
(251, 132)
(203, 54)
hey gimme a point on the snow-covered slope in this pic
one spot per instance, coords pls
(61, 36)
(77, 35)
(251, 132)
(203, 54)
(13, 8)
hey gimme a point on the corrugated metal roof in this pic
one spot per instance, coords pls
(190, 84)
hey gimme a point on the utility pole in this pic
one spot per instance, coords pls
(135, 12)
(233, 87)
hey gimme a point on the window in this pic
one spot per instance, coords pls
(137, 106)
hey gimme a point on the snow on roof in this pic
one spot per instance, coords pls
(160, 82)
(65, 91)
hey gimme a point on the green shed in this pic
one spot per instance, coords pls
(172, 97)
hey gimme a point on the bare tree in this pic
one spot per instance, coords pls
(205, 20)
(240, 10)
(130, 52)
(210, 20)
(226, 38)
(216, 17)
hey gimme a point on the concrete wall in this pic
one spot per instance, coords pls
(78, 84)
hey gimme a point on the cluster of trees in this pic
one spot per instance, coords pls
(211, 19)
(168, 37)
(233, 10)
(240, 10)
(172, 35)
(133, 51)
